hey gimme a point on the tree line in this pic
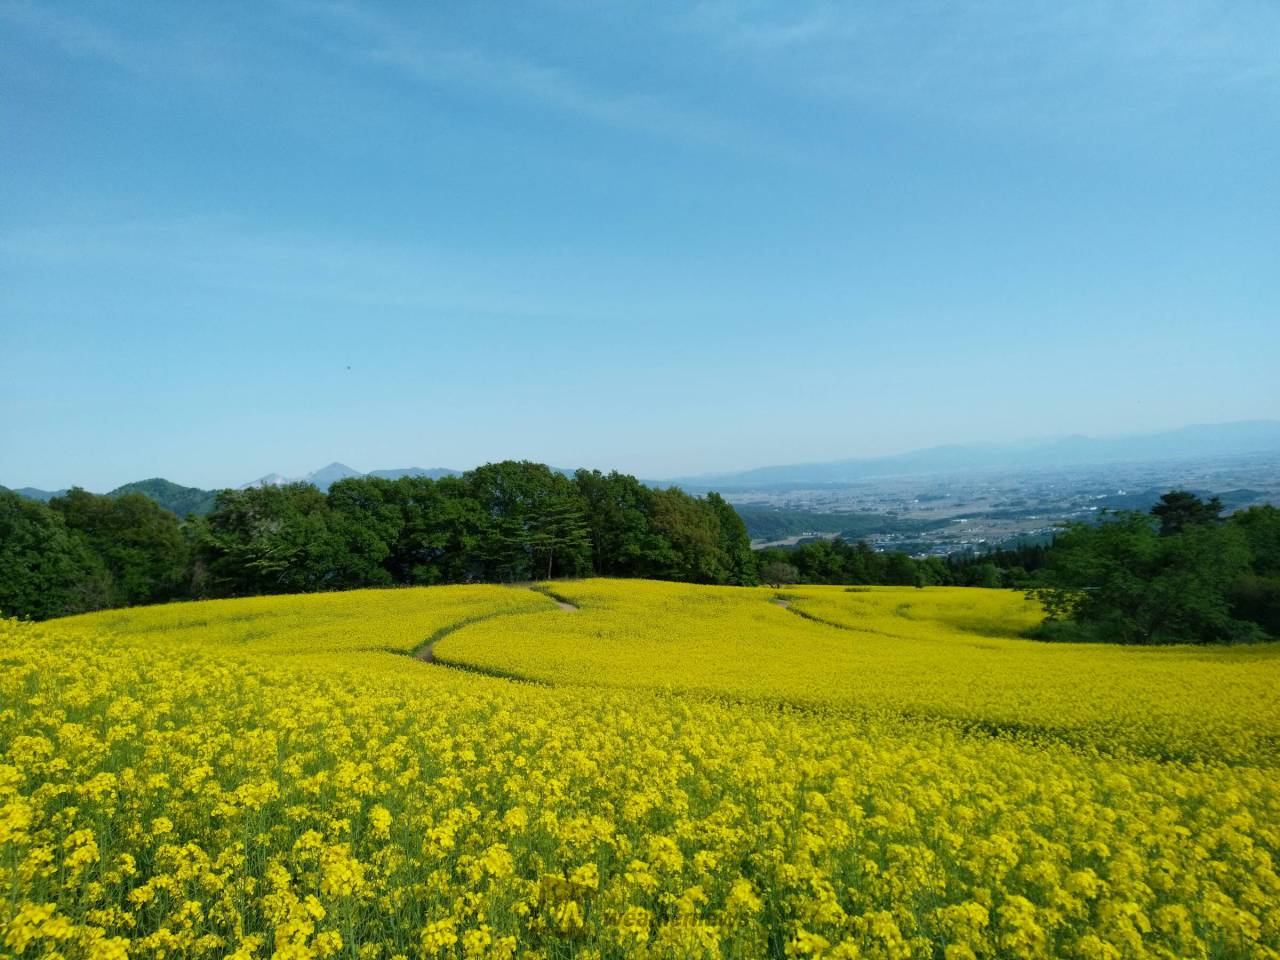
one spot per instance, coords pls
(1181, 573)
(840, 560)
(503, 522)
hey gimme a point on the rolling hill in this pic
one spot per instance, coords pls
(172, 496)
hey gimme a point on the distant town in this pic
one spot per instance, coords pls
(943, 514)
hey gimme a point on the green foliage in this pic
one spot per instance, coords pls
(1261, 529)
(840, 561)
(1015, 567)
(441, 532)
(1257, 597)
(692, 527)
(274, 540)
(505, 521)
(1181, 509)
(779, 523)
(619, 516)
(1139, 579)
(734, 543)
(986, 575)
(46, 569)
(140, 543)
(534, 522)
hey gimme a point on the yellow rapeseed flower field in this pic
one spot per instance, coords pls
(668, 771)
(943, 653)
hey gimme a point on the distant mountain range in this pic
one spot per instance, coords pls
(184, 500)
(172, 496)
(1187, 443)
(34, 493)
(326, 477)
(1202, 441)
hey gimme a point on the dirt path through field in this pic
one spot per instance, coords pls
(565, 605)
(427, 652)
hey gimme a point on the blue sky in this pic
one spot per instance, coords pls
(665, 238)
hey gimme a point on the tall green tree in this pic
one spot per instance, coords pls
(1261, 529)
(140, 542)
(692, 528)
(534, 521)
(1256, 596)
(900, 570)
(1180, 509)
(619, 518)
(1121, 581)
(273, 540)
(365, 516)
(735, 544)
(440, 533)
(46, 568)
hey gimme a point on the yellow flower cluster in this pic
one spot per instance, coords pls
(274, 778)
(942, 653)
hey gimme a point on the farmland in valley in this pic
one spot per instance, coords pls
(608, 769)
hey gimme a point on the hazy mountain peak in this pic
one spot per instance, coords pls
(326, 477)
(433, 473)
(34, 493)
(335, 467)
(267, 480)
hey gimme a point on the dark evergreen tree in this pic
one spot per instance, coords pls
(1179, 509)
(1256, 596)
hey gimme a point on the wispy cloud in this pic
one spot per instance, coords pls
(288, 34)
(73, 35)
(175, 51)
(378, 40)
(992, 59)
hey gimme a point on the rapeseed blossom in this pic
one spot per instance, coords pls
(277, 779)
